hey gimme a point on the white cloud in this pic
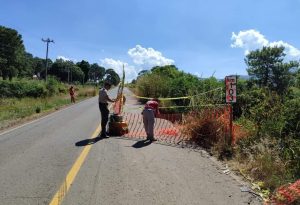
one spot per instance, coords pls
(117, 65)
(198, 74)
(63, 58)
(148, 57)
(66, 59)
(289, 49)
(251, 40)
(248, 40)
(141, 57)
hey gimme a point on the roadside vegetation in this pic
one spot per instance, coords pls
(266, 129)
(169, 82)
(21, 100)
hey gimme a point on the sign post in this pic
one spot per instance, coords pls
(230, 84)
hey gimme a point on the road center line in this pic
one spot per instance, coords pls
(60, 194)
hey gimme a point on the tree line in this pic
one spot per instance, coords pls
(16, 62)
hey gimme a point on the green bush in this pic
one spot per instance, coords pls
(52, 86)
(292, 116)
(168, 81)
(22, 89)
(62, 89)
(38, 109)
(260, 158)
(153, 86)
(30, 88)
(290, 152)
(247, 99)
(263, 107)
(272, 151)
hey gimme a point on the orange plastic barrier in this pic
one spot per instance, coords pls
(286, 194)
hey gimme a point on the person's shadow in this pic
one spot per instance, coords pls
(140, 144)
(88, 141)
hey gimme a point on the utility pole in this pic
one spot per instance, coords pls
(47, 41)
(68, 75)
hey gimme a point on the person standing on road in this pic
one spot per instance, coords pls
(103, 106)
(72, 94)
(149, 113)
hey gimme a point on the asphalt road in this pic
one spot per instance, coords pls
(36, 159)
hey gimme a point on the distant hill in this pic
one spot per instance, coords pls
(244, 77)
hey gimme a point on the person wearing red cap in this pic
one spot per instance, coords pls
(149, 113)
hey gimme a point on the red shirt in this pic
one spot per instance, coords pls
(153, 105)
(71, 91)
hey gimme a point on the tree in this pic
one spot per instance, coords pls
(66, 71)
(60, 69)
(296, 77)
(142, 72)
(12, 52)
(39, 66)
(168, 71)
(77, 74)
(96, 72)
(268, 68)
(27, 67)
(85, 67)
(112, 77)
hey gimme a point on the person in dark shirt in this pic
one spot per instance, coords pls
(103, 106)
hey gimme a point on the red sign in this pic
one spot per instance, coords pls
(230, 82)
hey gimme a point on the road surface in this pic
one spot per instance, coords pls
(53, 160)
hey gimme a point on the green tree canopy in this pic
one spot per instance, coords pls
(112, 77)
(143, 72)
(268, 68)
(39, 65)
(168, 81)
(85, 67)
(168, 71)
(12, 52)
(96, 72)
(297, 77)
(26, 69)
(66, 71)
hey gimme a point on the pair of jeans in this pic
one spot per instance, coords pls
(104, 117)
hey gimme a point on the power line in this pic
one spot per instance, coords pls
(47, 41)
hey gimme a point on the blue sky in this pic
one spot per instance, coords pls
(199, 37)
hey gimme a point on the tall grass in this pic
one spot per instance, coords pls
(209, 128)
(260, 158)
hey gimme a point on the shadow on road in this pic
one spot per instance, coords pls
(140, 144)
(88, 141)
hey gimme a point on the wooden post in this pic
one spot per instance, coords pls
(230, 85)
(230, 125)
